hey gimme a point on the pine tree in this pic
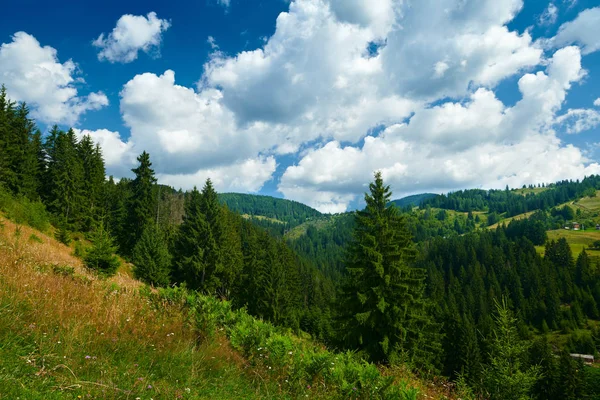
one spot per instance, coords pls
(101, 256)
(151, 257)
(507, 376)
(93, 179)
(383, 311)
(65, 173)
(142, 202)
(4, 127)
(189, 261)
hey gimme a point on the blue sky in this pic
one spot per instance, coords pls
(290, 99)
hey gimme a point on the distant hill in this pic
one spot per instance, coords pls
(292, 213)
(415, 200)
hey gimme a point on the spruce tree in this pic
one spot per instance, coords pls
(142, 202)
(101, 256)
(189, 262)
(383, 311)
(65, 173)
(507, 376)
(151, 258)
(93, 182)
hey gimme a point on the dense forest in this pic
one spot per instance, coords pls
(429, 289)
(513, 203)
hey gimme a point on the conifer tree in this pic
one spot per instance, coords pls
(383, 311)
(65, 172)
(101, 256)
(189, 261)
(507, 377)
(151, 257)
(141, 206)
(4, 126)
(93, 179)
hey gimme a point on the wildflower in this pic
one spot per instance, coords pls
(354, 388)
(140, 379)
(308, 386)
(87, 357)
(188, 390)
(149, 386)
(290, 353)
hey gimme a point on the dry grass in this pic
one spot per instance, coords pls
(66, 333)
(84, 335)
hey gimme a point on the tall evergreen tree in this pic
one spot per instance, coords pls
(93, 182)
(151, 257)
(65, 173)
(507, 377)
(142, 204)
(189, 262)
(383, 311)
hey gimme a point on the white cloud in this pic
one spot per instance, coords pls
(317, 87)
(132, 34)
(453, 145)
(34, 74)
(583, 31)
(549, 15)
(115, 152)
(246, 176)
(579, 120)
(597, 102)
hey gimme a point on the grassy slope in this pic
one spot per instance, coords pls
(65, 334)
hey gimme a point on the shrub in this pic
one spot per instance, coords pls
(62, 234)
(24, 211)
(300, 366)
(101, 256)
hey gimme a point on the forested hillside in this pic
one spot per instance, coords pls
(428, 289)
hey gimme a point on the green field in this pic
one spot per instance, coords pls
(591, 204)
(578, 240)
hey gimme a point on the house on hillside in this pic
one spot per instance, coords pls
(576, 226)
(598, 227)
(587, 359)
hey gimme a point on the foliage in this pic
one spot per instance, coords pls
(101, 256)
(151, 258)
(300, 366)
(24, 211)
(507, 377)
(383, 310)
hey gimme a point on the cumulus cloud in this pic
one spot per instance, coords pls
(115, 151)
(34, 74)
(583, 31)
(133, 33)
(597, 102)
(549, 15)
(453, 145)
(245, 176)
(354, 87)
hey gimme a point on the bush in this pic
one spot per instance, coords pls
(101, 256)
(301, 367)
(62, 234)
(21, 210)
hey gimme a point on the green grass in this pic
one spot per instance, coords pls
(590, 203)
(262, 218)
(318, 223)
(48, 362)
(578, 240)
